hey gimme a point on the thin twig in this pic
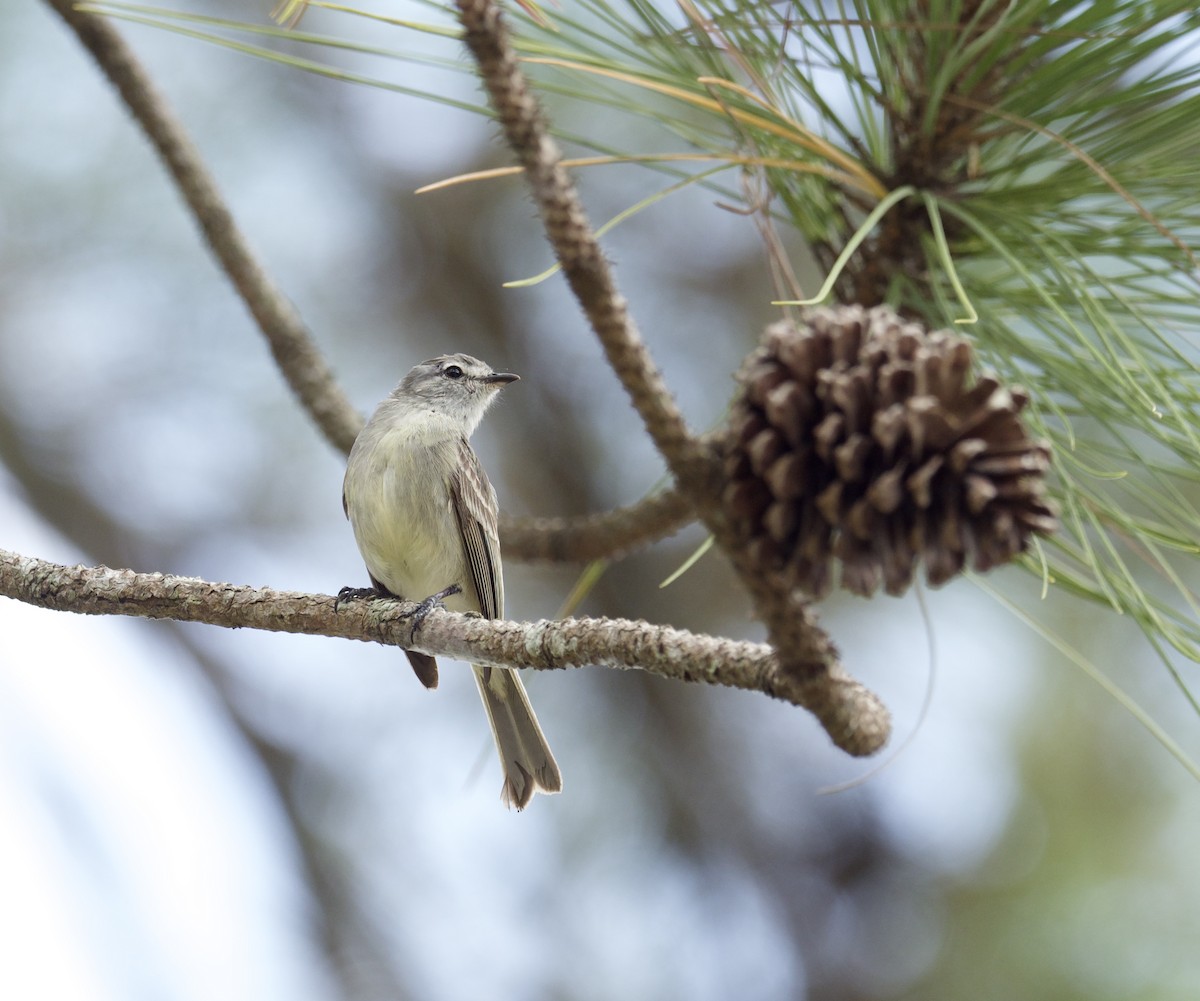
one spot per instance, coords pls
(610, 535)
(852, 715)
(298, 358)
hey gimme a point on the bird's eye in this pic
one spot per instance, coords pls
(453, 372)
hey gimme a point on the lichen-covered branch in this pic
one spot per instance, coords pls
(296, 354)
(852, 715)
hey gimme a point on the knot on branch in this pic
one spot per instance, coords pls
(862, 438)
(855, 718)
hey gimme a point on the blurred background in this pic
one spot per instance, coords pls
(188, 812)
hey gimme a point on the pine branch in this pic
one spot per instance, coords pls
(610, 535)
(853, 716)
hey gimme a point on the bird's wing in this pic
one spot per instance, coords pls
(475, 509)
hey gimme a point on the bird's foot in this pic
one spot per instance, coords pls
(356, 594)
(419, 614)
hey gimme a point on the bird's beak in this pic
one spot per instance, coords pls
(500, 378)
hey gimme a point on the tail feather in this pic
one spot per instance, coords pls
(525, 756)
(424, 667)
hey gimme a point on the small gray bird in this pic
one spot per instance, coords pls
(424, 517)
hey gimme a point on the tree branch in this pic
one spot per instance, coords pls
(610, 535)
(295, 352)
(853, 716)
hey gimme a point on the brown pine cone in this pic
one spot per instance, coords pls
(861, 437)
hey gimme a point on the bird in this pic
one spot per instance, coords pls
(424, 517)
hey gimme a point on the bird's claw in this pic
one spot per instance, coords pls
(419, 614)
(354, 594)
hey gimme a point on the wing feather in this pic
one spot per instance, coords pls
(475, 508)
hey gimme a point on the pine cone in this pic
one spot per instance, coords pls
(860, 437)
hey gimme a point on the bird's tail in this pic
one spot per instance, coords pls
(524, 754)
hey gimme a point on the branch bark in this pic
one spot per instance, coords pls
(850, 713)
